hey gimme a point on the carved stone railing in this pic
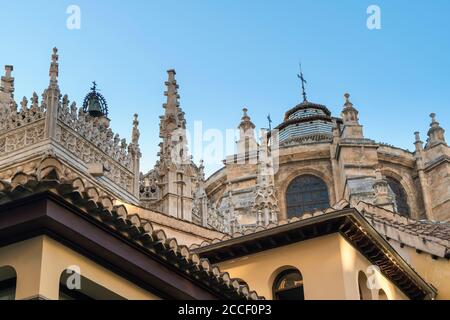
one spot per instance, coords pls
(88, 139)
(217, 220)
(87, 152)
(21, 128)
(96, 131)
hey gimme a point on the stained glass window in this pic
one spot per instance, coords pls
(400, 196)
(306, 193)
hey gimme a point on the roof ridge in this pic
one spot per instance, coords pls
(336, 207)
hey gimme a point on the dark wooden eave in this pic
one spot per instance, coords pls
(350, 224)
(107, 244)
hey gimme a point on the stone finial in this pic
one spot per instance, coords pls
(417, 136)
(246, 122)
(247, 141)
(418, 142)
(65, 101)
(7, 81)
(54, 68)
(8, 70)
(171, 93)
(349, 113)
(135, 133)
(435, 133)
(34, 101)
(172, 74)
(24, 104)
(201, 170)
(347, 99)
(433, 118)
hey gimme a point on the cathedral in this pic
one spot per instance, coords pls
(312, 203)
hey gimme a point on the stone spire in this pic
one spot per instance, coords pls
(172, 129)
(52, 97)
(7, 87)
(135, 134)
(265, 203)
(174, 169)
(7, 84)
(135, 154)
(247, 141)
(349, 112)
(418, 142)
(436, 133)
(54, 69)
(172, 105)
(352, 128)
(246, 126)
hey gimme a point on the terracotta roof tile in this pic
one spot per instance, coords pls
(131, 226)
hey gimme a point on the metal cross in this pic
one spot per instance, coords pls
(302, 79)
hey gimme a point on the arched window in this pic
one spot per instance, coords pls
(364, 292)
(304, 194)
(382, 295)
(288, 285)
(8, 279)
(400, 196)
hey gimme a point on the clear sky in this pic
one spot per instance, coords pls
(232, 53)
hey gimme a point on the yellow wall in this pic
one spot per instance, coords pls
(352, 263)
(39, 263)
(436, 272)
(329, 265)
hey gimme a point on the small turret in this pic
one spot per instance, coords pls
(352, 128)
(247, 141)
(7, 88)
(436, 133)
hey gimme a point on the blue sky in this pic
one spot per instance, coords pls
(234, 53)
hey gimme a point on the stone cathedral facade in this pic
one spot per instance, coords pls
(266, 182)
(309, 162)
(311, 166)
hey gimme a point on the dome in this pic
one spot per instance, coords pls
(307, 121)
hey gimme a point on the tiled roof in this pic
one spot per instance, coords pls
(140, 231)
(352, 225)
(429, 236)
(338, 206)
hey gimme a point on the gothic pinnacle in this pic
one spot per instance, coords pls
(54, 68)
(7, 81)
(171, 93)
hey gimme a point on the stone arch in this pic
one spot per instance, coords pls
(284, 185)
(407, 185)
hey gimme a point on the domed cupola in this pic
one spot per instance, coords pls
(307, 122)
